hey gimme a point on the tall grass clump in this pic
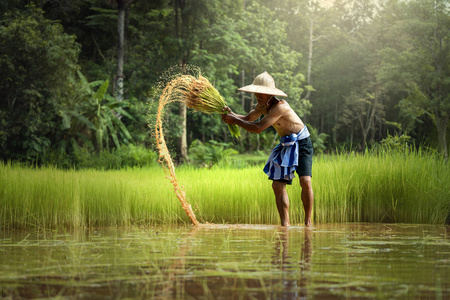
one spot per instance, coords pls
(230, 195)
(385, 186)
(48, 197)
(408, 186)
(394, 186)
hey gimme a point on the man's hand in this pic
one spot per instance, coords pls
(227, 109)
(229, 117)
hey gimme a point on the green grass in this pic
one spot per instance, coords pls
(412, 188)
(393, 187)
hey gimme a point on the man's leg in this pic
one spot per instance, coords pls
(307, 198)
(281, 196)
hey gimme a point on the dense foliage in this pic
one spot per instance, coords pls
(357, 71)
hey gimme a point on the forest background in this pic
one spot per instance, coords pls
(79, 79)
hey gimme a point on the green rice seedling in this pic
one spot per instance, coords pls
(246, 197)
(49, 198)
(382, 187)
(373, 187)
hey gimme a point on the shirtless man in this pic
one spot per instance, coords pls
(293, 154)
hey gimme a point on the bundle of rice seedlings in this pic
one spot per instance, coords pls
(201, 95)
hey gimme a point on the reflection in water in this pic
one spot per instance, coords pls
(294, 285)
(305, 262)
(352, 261)
(198, 272)
(174, 283)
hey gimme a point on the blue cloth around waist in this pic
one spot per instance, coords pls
(283, 161)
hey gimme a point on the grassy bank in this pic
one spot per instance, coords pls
(394, 187)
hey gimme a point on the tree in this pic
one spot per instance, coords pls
(121, 6)
(92, 117)
(203, 35)
(417, 63)
(180, 35)
(38, 62)
(318, 140)
(313, 9)
(340, 67)
(380, 66)
(362, 110)
(267, 48)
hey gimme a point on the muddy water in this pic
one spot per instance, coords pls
(337, 261)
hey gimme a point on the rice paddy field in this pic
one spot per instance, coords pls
(329, 261)
(380, 232)
(383, 188)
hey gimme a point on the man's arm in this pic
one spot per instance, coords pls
(253, 115)
(256, 127)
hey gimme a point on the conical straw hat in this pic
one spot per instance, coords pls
(263, 84)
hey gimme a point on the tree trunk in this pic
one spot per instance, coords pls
(258, 143)
(243, 93)
(372, 131)
(182, 144)
(442, 116)
(369, 122)
(183, 138)
(120, 49)
(363, 132)
(177, 30)
(252, 96)
(321, 122)
(351, 134)
(310, 54)
(336, 118)
(225, 135)
(441, 126)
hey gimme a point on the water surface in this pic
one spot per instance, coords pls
(332, 261)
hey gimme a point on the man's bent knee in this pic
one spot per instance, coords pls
(305, 181)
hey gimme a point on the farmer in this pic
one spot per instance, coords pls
(295, 151)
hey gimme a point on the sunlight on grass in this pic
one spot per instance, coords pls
(410, 188)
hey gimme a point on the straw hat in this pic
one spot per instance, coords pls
(263, 84)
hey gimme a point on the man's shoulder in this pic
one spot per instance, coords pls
(283, 102)
(281, 105)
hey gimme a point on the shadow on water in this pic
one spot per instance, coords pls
(333, 261)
